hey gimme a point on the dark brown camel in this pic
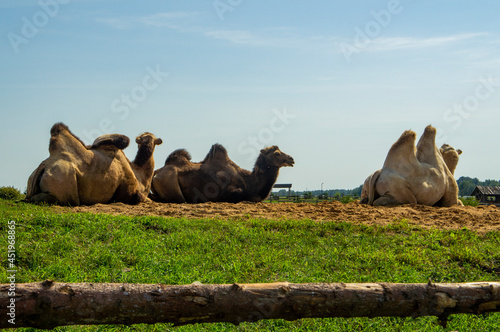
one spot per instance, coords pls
(217, 178)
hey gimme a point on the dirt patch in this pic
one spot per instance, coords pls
(481, 219)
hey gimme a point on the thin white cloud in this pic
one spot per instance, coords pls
(179, 21)
(399, 43)
(171, 20)
(276, 37)
(491, 80)
(283, 37)
(241, 37)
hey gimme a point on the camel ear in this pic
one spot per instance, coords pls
(459, 152)
(262, 151)
(138, 140)
(441, 150)
(158, 141)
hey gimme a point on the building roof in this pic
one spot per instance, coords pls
(493, 190)
(285, 185)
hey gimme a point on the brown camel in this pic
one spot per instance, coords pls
(217, 178)
(417, 175)
(77, 175)
(144, 164)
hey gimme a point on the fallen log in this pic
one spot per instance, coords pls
(50, 304)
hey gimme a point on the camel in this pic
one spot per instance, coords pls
(450, 157)
(217, 178)
(144, 164)
(75, 174)
(415, 175)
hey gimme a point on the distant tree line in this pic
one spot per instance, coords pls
(356, 192)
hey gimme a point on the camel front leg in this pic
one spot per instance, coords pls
(43, 198)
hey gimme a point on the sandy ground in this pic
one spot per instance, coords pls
(481, 219)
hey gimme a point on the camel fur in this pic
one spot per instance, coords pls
(144, 164)
(217, 178)
(75, 174)
(415, 175)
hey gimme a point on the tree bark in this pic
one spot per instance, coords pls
(49, 304)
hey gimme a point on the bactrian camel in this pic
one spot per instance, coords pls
(75, 174)
(217, 178)
(144, 164)
(415, 175)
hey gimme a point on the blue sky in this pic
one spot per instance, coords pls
(332, 83)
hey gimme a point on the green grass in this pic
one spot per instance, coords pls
(472, 201)
(103, 248)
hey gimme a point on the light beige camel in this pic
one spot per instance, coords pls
(450, 157)
(416, 175)
(78, 175)
(217, 178)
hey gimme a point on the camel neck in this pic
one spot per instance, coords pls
(143, 156)
(265, 176)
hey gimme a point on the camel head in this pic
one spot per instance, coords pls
(148, 139)
(274, 157)
(450, 156)
(146, 143)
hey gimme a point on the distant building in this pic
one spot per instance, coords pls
(487, 195)
(284, 186)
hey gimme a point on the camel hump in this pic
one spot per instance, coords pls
(217, 153)
(58, 128)
(111, 140)
(403, 149)
(60, 138)
(407, 138)
(430, 130)
(179, 156)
